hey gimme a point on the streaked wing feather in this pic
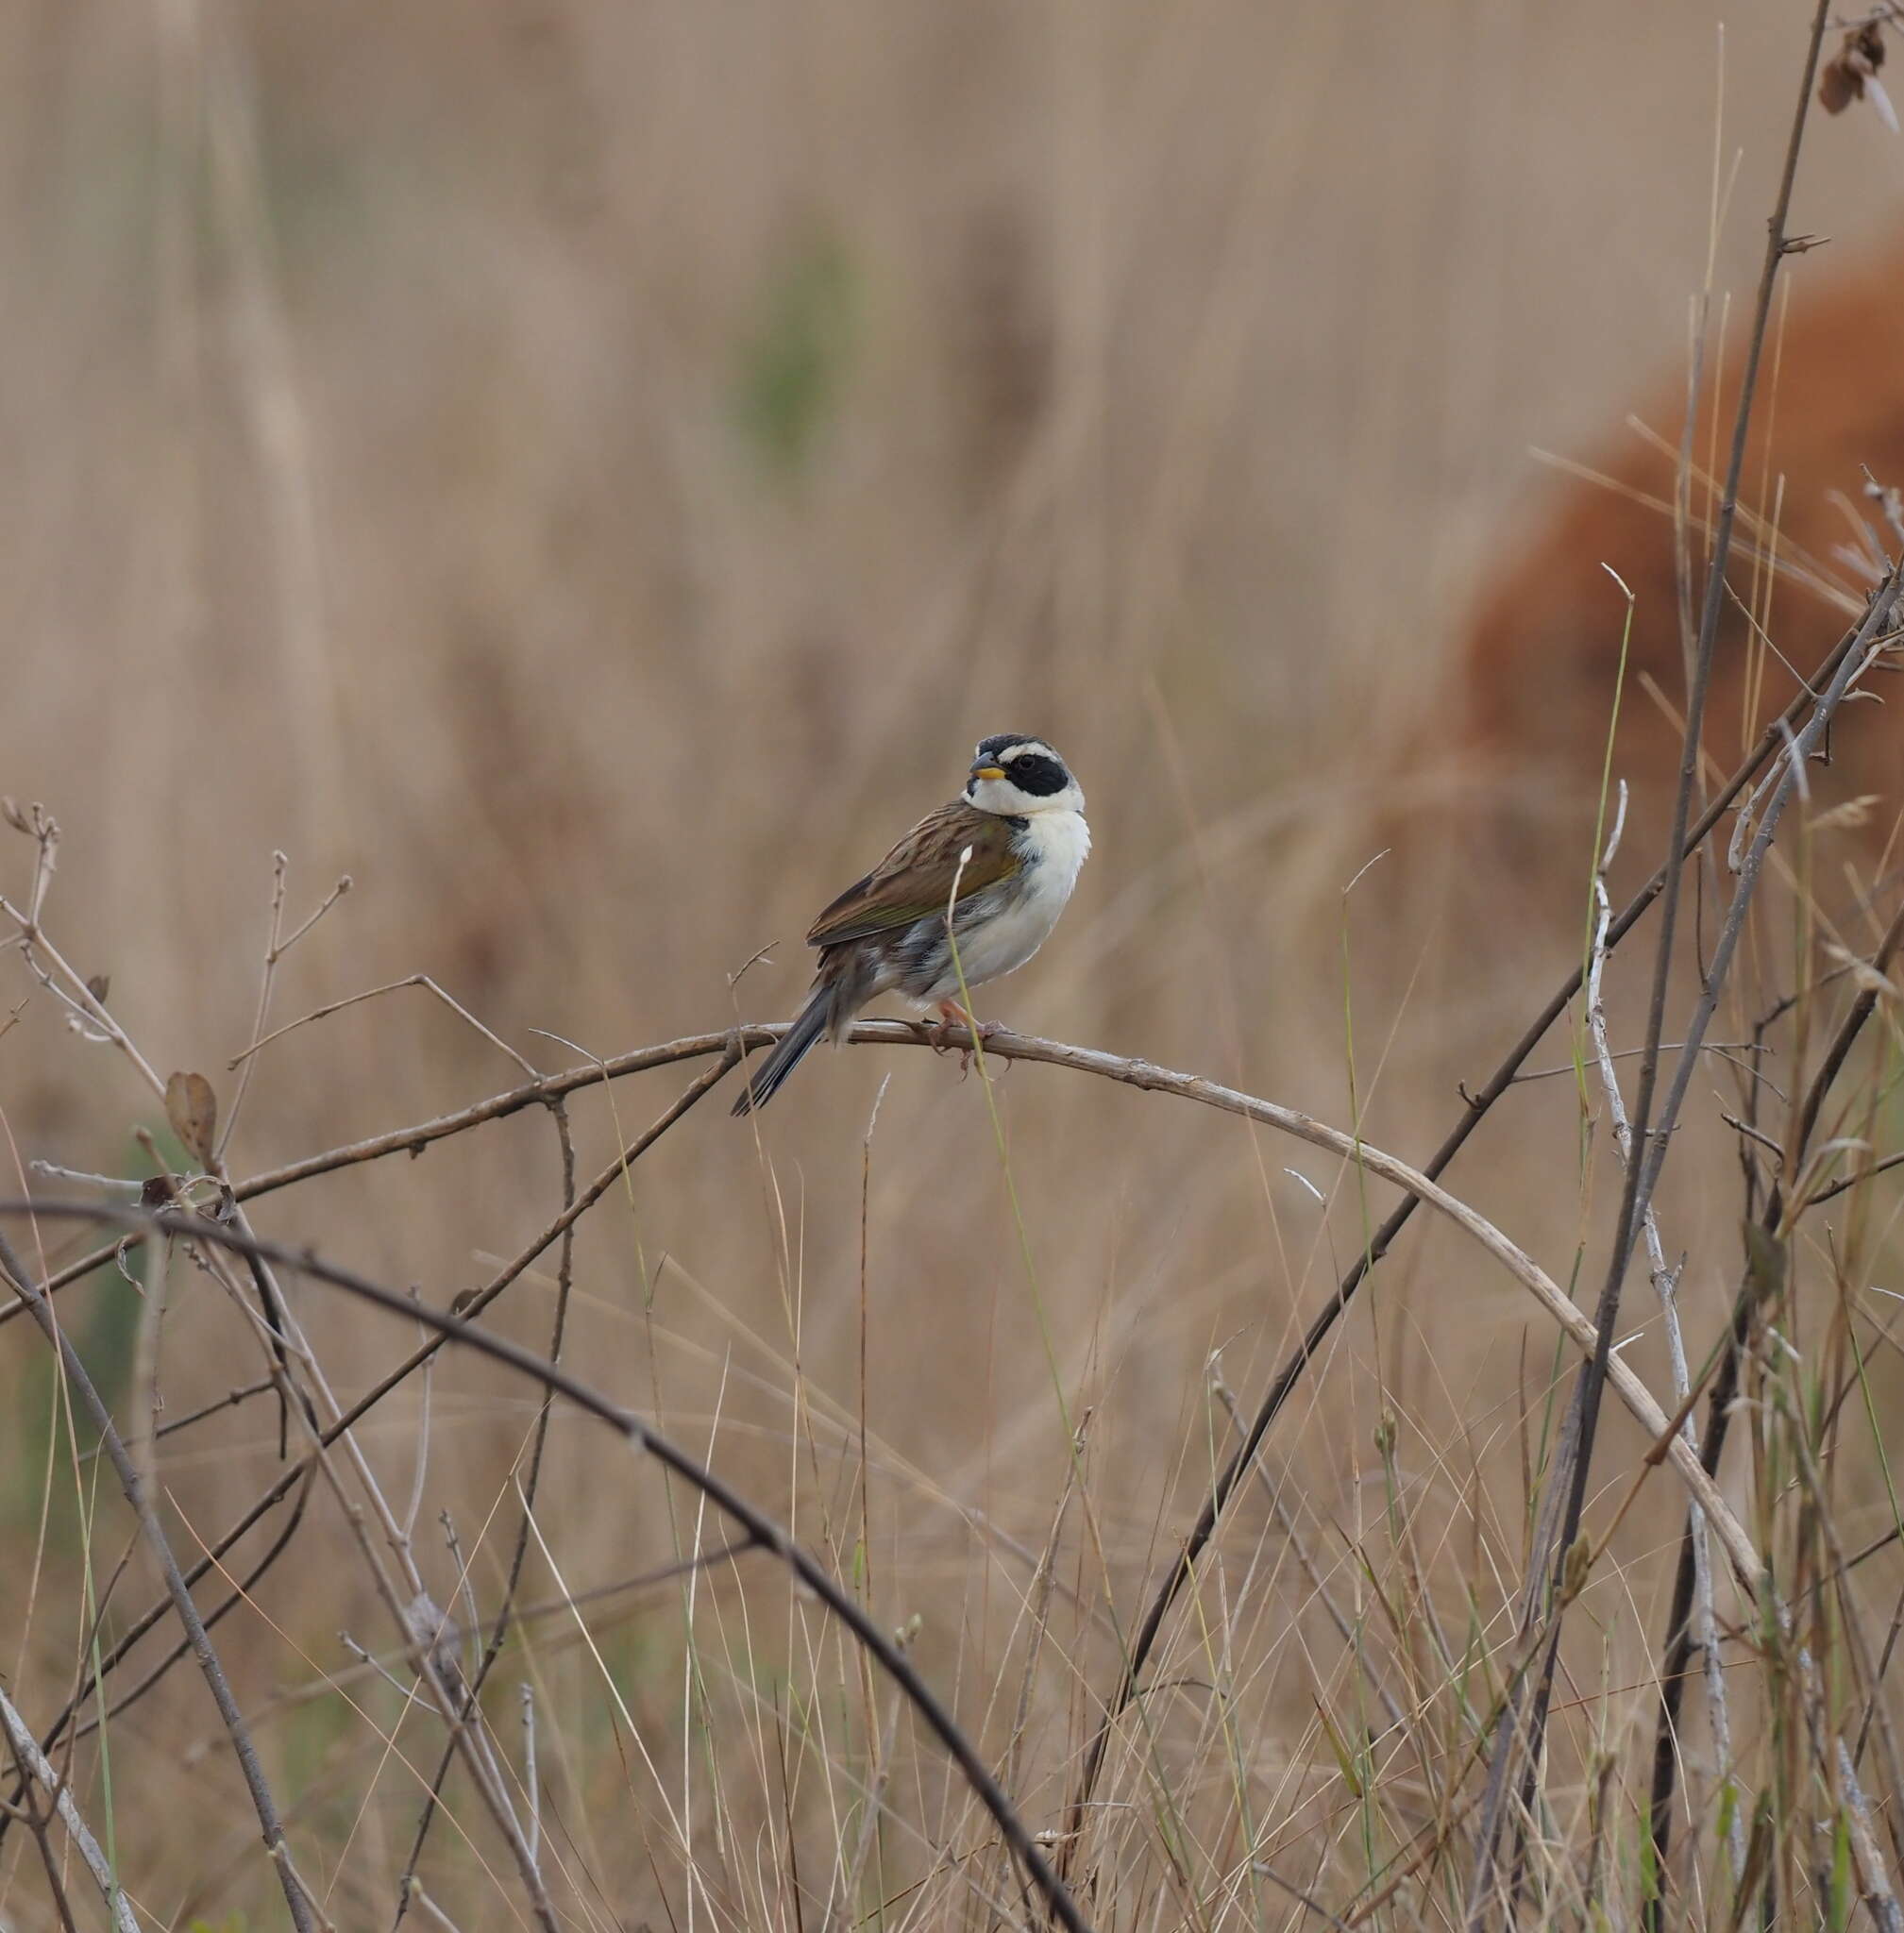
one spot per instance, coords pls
(916, 877)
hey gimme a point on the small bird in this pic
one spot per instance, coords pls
(1014, 842)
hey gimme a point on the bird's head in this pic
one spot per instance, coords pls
(1015, 775)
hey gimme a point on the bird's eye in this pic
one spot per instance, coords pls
(1037, 774)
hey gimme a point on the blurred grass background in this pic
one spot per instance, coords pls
(591, 472)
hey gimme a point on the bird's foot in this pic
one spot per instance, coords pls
(953, 1014)
(938, 1034)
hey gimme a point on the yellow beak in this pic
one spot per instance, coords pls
(988, 771)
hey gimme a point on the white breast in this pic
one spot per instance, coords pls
(1055, 845)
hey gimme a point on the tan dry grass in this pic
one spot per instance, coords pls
(381, 488)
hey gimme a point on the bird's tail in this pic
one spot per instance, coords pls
(764, 1083)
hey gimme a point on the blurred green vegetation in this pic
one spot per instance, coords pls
(795, 361)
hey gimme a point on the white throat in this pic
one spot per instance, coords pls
(1009, 801)
(1058, 839)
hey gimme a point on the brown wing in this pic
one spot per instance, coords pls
(916, 877)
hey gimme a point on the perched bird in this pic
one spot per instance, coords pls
(1013, 842)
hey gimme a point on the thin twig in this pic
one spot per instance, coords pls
(275, 950)
(1721, 1048)
(1665, 1285)
(34, 1763)
(414, 1890)
(422, 980)
(531, 1785)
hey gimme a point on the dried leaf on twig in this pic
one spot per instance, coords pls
(1851, 74)
(193, 1109)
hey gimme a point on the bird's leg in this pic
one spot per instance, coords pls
(935, 1033)
(953, 1014)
